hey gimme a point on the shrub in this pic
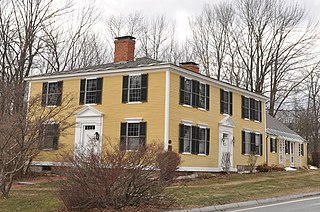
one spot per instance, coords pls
(117, 179)
(168, 163)
(252, 160)
(263, 168)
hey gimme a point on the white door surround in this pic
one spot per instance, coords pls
(292, 154)
(88, 128)
(226, 126)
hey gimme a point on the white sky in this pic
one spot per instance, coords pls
(179, 10)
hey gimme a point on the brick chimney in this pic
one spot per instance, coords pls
(192, 66)
(124, 49)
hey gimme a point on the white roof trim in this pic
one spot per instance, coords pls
(153, 68)
(227, 122)
(89, 111)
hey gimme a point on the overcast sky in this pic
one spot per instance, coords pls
(179, 10)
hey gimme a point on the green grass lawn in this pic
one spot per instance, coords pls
(235, 188)
(194, 193)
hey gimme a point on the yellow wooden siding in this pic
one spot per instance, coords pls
(114, 111)
(273, 158)
(212, 118)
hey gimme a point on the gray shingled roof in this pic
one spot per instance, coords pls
(276, 128)
(139, 62)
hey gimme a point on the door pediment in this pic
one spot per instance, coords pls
(88, 111)
(227, 122)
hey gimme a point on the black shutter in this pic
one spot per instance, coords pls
(143, 133)
(260, 112)
(181, 90)
(55, 137)
(181, 136)
(195, 140)
(251, 109)
(276, 145)
(243, 142)
(144, 87)
(44, 94)
(195, 93)
(99, 90)
(242, 107)
(302, 149)
(286, 147)
(123, 136)
(82, 90)
(207, 97)
(59, 97)
(230, 103)
(253, 143)
(125, 83)
(271, 145)
(221, 102)
(261, 144)
(208, 142)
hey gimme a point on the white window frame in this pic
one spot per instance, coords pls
(85, 90)
(47, 93)
(205, 140)
(188, 124)
(228, 102)
(129, 88)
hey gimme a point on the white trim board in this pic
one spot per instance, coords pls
(145, 69)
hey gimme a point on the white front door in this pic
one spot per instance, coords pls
(226, 150)
(88, 131)
(292, 154)
(89, 142)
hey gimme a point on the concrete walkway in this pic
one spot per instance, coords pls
(248, 203)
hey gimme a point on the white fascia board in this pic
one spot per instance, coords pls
(98, 73)
(153, 68)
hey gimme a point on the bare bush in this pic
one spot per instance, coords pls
(252, 160)
(225, 162)
(168, 163)
(117, 179)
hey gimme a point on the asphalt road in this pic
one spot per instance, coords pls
(307, 204)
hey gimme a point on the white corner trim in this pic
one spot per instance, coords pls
(167, 110)
(133, 120)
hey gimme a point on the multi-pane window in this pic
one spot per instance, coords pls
(90, 91)
(273, 145)
(187, 139)
(132, 135)
(225, 102)
(258, 144)
(202, 96)
(287, 147)
(246, 142)
(251, 109)
(202, 140)
(187, 91)
(301, 150)
(135, 88)
(245, 107)
(251, 143)
(194, 93)
(51, 93)
(194, 139)
(49, 135)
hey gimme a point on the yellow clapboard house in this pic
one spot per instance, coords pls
(133, 102)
